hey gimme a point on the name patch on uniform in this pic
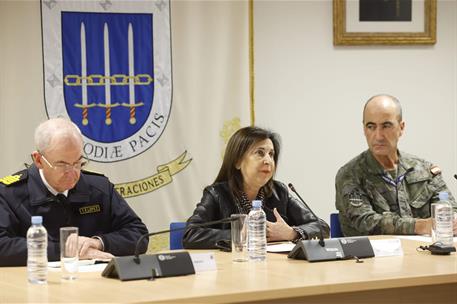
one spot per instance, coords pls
(10, 179)
(90, 209)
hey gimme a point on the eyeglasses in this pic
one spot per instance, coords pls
(64, 167)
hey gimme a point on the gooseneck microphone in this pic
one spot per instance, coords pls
(321, 235)
(136, 257)
(331, 249)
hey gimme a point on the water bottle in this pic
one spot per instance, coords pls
(37, 252)
(257, 232)
(442, 219)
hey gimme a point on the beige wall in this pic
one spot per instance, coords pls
(312, 93)
(309, 91)
(21, 81)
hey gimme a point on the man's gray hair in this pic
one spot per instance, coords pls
(53, 128)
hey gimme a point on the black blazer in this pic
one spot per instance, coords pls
(218, 203)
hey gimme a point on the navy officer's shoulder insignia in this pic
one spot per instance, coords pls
(85, 171)
(14, 179)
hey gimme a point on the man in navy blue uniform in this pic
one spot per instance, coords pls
(57, 188)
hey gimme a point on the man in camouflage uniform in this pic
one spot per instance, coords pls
(383, 190)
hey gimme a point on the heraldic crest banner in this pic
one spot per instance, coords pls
(107, 66)
(158, 136)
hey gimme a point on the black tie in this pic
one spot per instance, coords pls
(67, 207)
(61, 198)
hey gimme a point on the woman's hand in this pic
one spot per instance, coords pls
(280, 230)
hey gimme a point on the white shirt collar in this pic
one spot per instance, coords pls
(52, 190)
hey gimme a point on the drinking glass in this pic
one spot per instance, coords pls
(239, 237)
(69, 252)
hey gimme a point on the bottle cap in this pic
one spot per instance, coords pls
(444, 196)
(256, 203)
(37, 220)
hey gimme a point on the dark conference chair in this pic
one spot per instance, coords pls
(335, 228)
(176, 236)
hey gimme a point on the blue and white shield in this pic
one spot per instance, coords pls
(107, 67)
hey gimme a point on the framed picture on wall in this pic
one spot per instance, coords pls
(388, 22)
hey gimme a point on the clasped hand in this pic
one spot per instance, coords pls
(88, 248)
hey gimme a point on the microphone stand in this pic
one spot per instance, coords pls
(321, 235)
(331, 249)
(150, 266)
(136, 253)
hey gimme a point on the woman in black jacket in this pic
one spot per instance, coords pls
(246, 174)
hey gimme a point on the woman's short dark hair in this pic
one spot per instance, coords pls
(240, 143)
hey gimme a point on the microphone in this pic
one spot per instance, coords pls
(150, 266)
(136, 253)
(331, 249)
(455, 176)
(321, 235)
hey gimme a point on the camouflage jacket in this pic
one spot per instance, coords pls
(372, 201)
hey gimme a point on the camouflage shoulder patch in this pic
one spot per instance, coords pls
(13, 179)
(435, 170)
(92, 172)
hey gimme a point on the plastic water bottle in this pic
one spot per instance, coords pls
(257, 233)
(37, 252)
(442, 217)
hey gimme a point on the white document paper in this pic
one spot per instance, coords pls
(83, 266)
(280, 247)
(387, 247)
(203, 261)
